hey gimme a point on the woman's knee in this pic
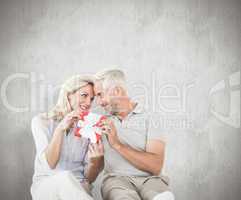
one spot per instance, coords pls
(66, 179)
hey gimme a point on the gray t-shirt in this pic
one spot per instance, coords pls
(135, 130)
(73, 155)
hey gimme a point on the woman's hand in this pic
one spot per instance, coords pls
(96, 150)
(69, 121)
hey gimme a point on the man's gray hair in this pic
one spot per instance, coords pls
(111, 78)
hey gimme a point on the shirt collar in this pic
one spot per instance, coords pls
(138, 108)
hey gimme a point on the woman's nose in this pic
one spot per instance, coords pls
(88, 101)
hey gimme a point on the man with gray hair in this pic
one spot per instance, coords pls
(134, 148)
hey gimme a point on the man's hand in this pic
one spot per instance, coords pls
(109, 129)
(151, 160)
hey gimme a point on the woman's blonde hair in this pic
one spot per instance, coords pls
(70, 86)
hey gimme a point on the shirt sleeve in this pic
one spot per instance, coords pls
(40, 132)
(155, 130)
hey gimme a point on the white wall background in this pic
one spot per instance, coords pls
(192, 45)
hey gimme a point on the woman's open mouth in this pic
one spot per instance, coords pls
(84, 108)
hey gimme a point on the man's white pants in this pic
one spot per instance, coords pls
(62, 186)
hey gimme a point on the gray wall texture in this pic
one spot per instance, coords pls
(181, 57)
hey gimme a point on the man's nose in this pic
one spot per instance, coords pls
(100, 101)
(97, 100)
(103, 103)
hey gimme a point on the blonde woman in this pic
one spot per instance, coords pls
(65, 165)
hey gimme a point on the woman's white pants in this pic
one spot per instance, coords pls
(61, 186)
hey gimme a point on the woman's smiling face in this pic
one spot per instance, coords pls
(82, 99)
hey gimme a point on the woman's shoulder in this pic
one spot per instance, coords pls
(41, 119)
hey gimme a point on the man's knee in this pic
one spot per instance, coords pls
(118, 188)
(153, 186)
(121, 194)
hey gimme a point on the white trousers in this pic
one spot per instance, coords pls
(61, 186)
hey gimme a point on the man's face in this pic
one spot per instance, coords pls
(106, 98)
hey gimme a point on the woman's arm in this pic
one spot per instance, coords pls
(53, 149)
(96, 161)
(95, 167)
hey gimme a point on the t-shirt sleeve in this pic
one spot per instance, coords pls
(155, 130)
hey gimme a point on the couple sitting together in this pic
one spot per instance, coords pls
(130, 151)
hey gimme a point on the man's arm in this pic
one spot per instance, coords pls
(150, 160)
